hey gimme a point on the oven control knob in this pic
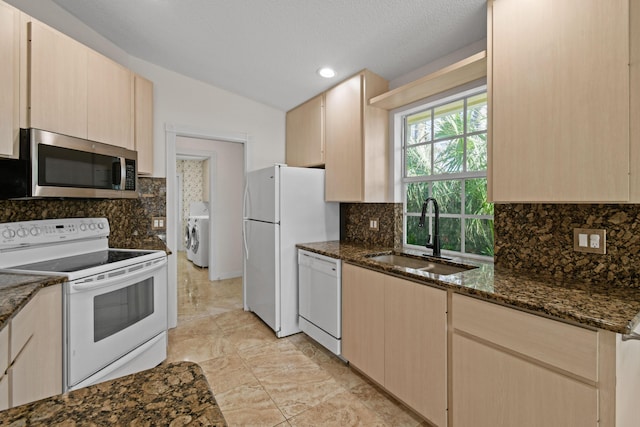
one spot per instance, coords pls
(34, 231)
(83, 227)
(92, 226)
(22, 232)
(8, 234)
(100, 225)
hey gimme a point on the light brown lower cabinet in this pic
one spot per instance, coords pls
(511, 368)
(35, 350)
(4, 392)
(463, 362)
(415, 347)
(363, 320)
(394, 331)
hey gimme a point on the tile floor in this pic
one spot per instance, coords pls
(259, 380)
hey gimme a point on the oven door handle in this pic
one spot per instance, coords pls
(103, 283)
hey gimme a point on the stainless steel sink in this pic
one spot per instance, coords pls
(420, 264)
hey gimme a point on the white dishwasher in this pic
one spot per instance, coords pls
(320, 299)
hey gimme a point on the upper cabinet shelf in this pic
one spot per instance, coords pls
(465, 71)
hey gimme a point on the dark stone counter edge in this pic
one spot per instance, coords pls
(357, 254)
(170, 393)
(22, 292)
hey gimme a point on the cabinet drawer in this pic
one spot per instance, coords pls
(22, 326)
(4, 349)
(558, 344)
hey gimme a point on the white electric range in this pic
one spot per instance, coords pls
(115, 300)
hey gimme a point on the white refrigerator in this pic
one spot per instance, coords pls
(282, 206)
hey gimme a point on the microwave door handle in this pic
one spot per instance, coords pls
(116, 173)
(123, 173)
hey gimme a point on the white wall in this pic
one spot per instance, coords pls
(186, 102)
(225, 206)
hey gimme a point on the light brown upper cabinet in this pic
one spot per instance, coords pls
(634, 85)
(144, 124)
(559, 95)
(9, 80)
(58, 82)
(110, 101)
(356, 141)
(305, 134)
(76, 91)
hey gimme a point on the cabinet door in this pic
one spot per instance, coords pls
(110, 102)
(9, 80)
(343, 142)
(23, 375)
(58, 73)
(4, 392)
(416, 347)
(36, 371)
(634, 89)
(559, 100)
(495, 388)
(305, 134)
(363, 320)
(144, 124)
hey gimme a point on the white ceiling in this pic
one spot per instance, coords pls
(269, 50)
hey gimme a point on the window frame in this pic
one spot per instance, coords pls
(401, 120)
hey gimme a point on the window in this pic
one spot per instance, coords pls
(444, 147)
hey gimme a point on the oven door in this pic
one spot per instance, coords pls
(112, 315)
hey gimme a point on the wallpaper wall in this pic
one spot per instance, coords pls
(192, 185)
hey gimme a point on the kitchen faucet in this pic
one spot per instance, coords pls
(435, 243)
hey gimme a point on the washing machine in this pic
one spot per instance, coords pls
(187, 239)
(200, 241)
(197, 211)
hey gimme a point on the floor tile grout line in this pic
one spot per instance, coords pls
(316, 356)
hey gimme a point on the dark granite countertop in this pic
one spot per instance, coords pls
(175, 394)
(16, 290)
(607, 306)
(147, 242)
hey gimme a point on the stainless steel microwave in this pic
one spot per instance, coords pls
(55, 165)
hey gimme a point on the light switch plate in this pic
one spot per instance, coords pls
(590, 240)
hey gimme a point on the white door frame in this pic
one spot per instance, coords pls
(171, 133)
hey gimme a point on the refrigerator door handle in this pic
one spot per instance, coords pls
(244, 238)
(244, 218)
(244, 199)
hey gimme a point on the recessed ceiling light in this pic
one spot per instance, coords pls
(327, 72)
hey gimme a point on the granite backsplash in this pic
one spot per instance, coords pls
(533, 238)
(127, 217)
(538, 238)
(354, 223)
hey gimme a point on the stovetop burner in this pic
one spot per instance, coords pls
(82, 262)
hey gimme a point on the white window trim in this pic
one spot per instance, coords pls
(399, 161)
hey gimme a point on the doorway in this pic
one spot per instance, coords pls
(226, 157)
